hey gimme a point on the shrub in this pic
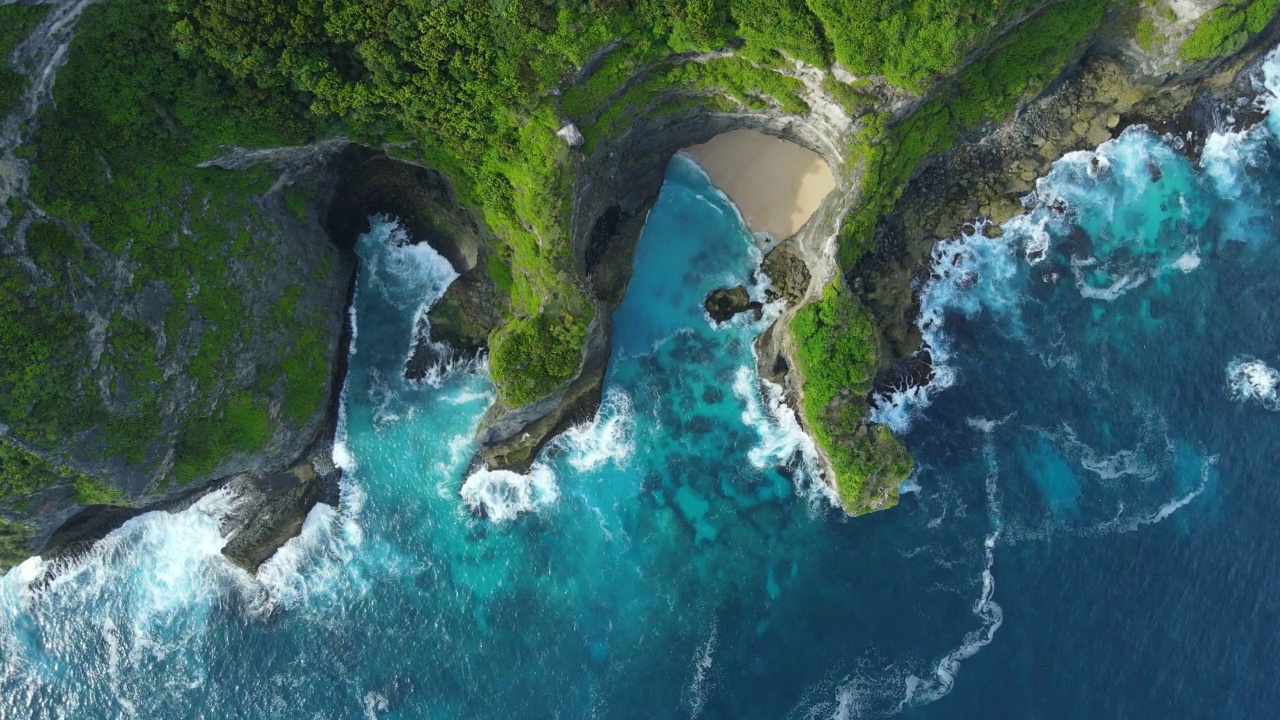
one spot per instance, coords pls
(1227, 29)
(838, 351)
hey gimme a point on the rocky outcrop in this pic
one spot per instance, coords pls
(987, 174)
(272, 508)
(788, 274)
(723, 304)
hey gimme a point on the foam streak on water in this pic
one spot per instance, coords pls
(1094, 429)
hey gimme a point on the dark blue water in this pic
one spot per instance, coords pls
(1089, 532)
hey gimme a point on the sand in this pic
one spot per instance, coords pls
(777, 185)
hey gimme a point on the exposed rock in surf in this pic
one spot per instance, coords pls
(724, 304)
(274, 509)
(788, 275)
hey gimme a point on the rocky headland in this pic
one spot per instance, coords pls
(319, 196)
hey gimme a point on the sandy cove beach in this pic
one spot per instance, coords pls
(777, 185)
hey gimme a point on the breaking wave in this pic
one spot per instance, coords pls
(502, 495)
(609, 437)
(783, 441)
(1251, 380)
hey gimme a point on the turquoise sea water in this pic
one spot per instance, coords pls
(1089, 532)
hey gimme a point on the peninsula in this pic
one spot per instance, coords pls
(182, 184)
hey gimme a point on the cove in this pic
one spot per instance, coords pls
(1088, 532)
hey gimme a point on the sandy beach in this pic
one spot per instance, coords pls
(777, 185)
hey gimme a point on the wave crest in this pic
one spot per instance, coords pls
(608, 437)
(502, 495)
(1251, 380)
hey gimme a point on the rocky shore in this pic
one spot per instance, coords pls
(984, 176)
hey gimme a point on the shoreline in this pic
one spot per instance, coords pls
(983, 177)
(776, 184)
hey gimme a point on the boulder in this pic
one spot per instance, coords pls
(725, 303)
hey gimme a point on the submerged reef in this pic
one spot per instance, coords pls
(181, 186)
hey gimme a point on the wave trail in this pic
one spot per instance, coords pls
(921, 691)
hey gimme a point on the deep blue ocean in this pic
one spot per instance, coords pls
(1090, 532)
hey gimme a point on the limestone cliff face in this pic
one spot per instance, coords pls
(618, 181)
(212, 350)
(291, 268)
(296, 261)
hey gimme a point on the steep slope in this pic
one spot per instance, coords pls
(172, 299)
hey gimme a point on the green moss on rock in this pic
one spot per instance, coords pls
(1227, 28)
(838, 352)
(16, 23)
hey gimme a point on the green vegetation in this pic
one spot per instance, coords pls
(88, 491)
(854, 102)
(1145, 34)
(114, 164)
(243, 426)
(1021, 64)
(839, 354)
(23, 473)
(305, 376)
(16, 23)
(910, 42)
(519, 352)
(42, 353)
(295, 198)
(1227, 29)
(499, 272)
(15, 543)
(786, 25)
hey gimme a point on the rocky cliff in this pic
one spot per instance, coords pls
(1129, 70)
(174, 305)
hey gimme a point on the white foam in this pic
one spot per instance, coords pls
(1116, 289)
(1187, 262)
(970, 274)
(1123, 524)
(411, 277)
(374, 703)
(981, 424)
(608, 438)
(290, 575)
(503, 495)
(464, 397)
(341, 454)
(899, 408)
(783, 441)
(342, 457)
(1251, 380)
(699, 683)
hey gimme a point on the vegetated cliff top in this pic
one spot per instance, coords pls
(482, 88)
(162, 318)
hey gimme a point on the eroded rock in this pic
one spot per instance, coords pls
(723, 304)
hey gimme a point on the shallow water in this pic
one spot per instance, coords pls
(1089, 532)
